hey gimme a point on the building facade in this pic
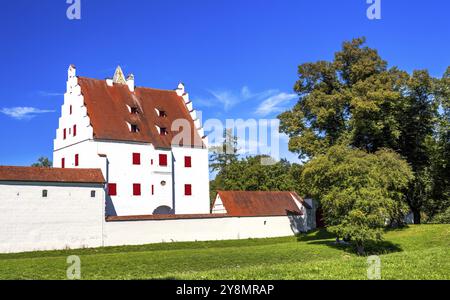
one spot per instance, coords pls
(149, 144)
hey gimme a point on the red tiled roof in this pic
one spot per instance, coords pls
(108, 112)
(241, 203)
(34, 174)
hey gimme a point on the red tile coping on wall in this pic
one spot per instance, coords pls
(184, 217)
(37, 174)
(164, 217)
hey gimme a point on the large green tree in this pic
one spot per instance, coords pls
(359, 192)
(357, 100)
(249, 174)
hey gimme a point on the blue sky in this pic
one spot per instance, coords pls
(238, 58)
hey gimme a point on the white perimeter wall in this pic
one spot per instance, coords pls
(157, 231)
(70, 219)
(67, 218)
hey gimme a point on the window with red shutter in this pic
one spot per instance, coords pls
(163, 160)
(187, 162)
(153, 189)
(71, 109)
(136, 189)
(112, 189)
(136, 158)
(63, 163)
(74, 130)
(188, 190)
(76, 160)
(64, 133)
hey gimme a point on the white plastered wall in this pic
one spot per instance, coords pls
(197, 176)
(67, 218)
(210, 229)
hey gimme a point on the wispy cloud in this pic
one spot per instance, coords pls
(228, 98)
(275, 104)
(21, 113)
(49, 94)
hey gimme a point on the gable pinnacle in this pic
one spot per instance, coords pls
(119, 77)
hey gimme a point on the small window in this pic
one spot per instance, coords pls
(64, 133)
(163, 131)
(136, 189)
(77, 161)
(92, 194)
(63, 163)
(187, 162)
(112, 189)
(44, 193)
(162, 114)
(163, 160)
(163, 183)
(134, 128)
(136, 158)
(74, 130)
(188, 190)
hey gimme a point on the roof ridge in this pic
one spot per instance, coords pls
(137, 87)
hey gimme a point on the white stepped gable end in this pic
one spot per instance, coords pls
(74, 123)
(186, 98)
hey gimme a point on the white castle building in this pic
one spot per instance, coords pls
(149, 144)
(131, 168)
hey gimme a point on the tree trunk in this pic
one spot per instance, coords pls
(416, 214)
(360, 249)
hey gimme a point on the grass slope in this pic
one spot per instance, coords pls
(419, 252)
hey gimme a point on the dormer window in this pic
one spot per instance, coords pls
(134, 128)
(134, 110)
(163, 131)
(161, 113)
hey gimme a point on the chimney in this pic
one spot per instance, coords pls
(180, 89)
(130, 82)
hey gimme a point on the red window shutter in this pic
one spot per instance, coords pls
(112, 189)
(153, 189)
(187, 162)
(63, 163)
(136, 158)
(136, 189)
(163, 160)
(74, 130)
(76, 160)
(151, 162)
(71, 109)
(64, 133)
(188, 190)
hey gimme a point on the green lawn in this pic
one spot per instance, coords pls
(418, 252)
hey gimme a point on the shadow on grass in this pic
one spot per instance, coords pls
(323, 237)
